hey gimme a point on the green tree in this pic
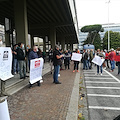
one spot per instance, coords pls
(114, 40)
(93, 34)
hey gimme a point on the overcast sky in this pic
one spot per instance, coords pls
(96, 12)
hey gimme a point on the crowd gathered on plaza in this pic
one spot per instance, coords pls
(61, 60)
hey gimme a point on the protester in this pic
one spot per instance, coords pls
(85, 59)
(67, 60)
(118, 60)
(33, 55)
(111, 58)
(76, 63)
(50, 54)
(106, 58)
(28, 50)
(15, 61)
(39, 52)
(99, 53)
(21, 60)
(91, 58)
(44, 56)
(62, 59)
(56, 63)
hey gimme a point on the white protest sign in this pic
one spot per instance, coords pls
(5, 63)
(97, 60)
(36, 66)
(4, 113)
(76, 57)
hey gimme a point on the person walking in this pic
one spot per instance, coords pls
(56, 63)
(34, 55)
(21, 60)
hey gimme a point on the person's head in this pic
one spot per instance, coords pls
(57, 47)
(28, 46)
(21, 45)
(84, 50)
(98, 50)
(112, 49)
(35, 48)
(66, 51)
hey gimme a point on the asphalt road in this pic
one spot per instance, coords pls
(103, 93)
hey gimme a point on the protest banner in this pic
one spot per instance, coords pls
(97, 60)
(76, 57)
(4, 113)
(36, 66)
(5, 63)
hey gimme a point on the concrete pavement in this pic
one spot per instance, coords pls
(103, 94)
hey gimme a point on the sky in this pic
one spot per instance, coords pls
(91, 12)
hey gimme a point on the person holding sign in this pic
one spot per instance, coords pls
(102, 56)
(33, 55)
(76, 63)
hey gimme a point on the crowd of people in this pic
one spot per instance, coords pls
(112, 59)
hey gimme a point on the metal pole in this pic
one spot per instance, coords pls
(108, 28)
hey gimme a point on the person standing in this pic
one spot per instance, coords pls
(56, 63)
(91, 58)
(85, 59)
(21, 60)
(67, 60)
(15, 61)
(34, 55)
(112, 62)
(101, 56)
(76, 63)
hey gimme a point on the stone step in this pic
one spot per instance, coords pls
(19, 84)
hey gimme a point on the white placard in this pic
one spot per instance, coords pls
(97, 60)
(5, 63)
(76, 57)
(36, 66)
(4, 113)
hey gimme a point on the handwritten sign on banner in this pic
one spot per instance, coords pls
(5, 63)
(76, 57)
(36, 66)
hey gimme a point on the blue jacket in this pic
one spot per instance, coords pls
(33, 55)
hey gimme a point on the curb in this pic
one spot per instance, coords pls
(72, 113)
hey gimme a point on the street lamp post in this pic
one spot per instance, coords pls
(108, 28)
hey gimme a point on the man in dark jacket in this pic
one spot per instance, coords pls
(85, 59)
(56, 63)
(21, 60)
(33, 55)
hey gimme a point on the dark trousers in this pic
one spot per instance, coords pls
(76, 65)
(119, 69)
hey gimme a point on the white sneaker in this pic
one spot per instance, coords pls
(101, 74)
(14, 73)
(58, 75)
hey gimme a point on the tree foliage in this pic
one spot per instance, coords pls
(93, 35)
(114, 40)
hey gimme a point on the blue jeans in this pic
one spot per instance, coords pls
(22, 67)
(112, 65)
(56, 72)
(16, 66)
(98, 68)
(85, 64)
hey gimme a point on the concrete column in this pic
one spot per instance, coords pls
(44, 43)
(32, 41)
(53, 36)
(71, 47)
(7, 39)
(21, 23)
(63, 43)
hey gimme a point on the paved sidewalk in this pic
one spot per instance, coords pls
(48, 102)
